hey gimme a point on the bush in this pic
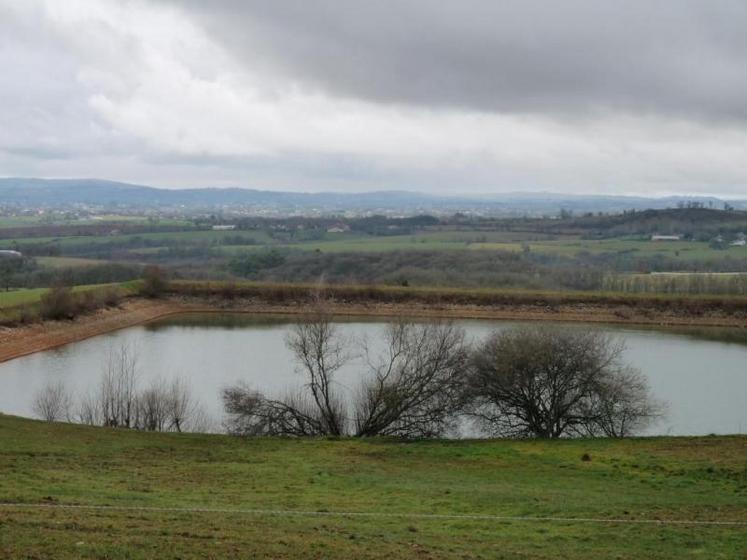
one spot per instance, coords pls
(550, 382)
(110, 297)
(155, 282)
(250, 264)
(59, 303)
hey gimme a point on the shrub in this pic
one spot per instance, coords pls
(110, 297)
(541, 381)
(59, 303)
(155, 282)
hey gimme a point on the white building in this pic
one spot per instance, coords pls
(339, 227)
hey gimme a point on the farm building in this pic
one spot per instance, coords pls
(338, 228)
(665, 238)
(6, 253)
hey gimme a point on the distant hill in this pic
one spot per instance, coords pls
(55, 192)
(696, 222)
(47, 193)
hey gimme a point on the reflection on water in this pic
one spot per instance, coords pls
(701, 373)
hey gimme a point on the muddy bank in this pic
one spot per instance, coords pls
(19, 341)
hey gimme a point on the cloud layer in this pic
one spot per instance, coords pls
(470, 96)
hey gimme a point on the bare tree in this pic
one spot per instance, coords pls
(119, 402)
(321, 351)
(52, 402)
(415, 389)
(181, 407)
(201, 422)
(89, 410)
(118, 389)
(553, 381)
(622, 405)
(250, 413)
(165, 407)
(152, 406)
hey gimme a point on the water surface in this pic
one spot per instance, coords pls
(701, 373)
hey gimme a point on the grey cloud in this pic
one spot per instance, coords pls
(674, 57)
(38, 152)
(595, 96)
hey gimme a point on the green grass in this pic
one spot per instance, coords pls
(660, 478)
(15, 298)
(436, 241)
(18, 221)
(67, 262)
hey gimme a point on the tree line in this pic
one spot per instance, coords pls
(424, 381)
(526, 381)
(121, 400)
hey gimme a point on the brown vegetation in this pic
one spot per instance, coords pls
(27, 336)
(414, 389)
(548, 381)
(352, 294)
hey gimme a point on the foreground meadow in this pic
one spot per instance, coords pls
(288, 498)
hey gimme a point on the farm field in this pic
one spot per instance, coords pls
(401, 484)
(596, 253)
(475, 241)
(236, 241)
(184, 236)
(28, 221)
(65, 262)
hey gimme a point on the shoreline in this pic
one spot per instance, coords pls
(29, 339)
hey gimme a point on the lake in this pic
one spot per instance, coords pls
(701, 373)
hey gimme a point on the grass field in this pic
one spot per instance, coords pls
(15, 298)
(682, 479)
(67, 262)
(474, 241)
(566, 247)
(20, 297)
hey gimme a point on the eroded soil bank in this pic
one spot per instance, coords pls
(19, 341)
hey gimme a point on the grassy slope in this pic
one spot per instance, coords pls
(664, 478)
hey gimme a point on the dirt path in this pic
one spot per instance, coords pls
(20, 341)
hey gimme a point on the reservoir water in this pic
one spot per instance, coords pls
(700, 373)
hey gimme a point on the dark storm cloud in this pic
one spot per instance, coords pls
(674, 57)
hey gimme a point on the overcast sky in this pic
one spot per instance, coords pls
(445, 96)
